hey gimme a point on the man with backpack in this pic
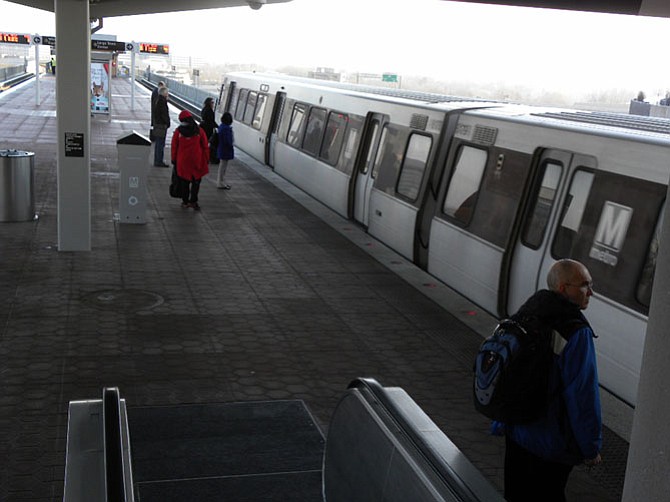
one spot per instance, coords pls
(541, 453)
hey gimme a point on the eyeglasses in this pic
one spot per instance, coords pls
(586, 285)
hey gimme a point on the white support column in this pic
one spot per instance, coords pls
(648, 466)
(37, 73)
(132, 76)
(73, 75)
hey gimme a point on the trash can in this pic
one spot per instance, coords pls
(17, 185)
(133, 154)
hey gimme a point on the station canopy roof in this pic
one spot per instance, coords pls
(112, 8)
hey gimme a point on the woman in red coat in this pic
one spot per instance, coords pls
(190, 155)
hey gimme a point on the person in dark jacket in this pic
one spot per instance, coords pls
(154, 98)
(208, 123)
(540, 455)
(226, 151)
(190, 156)
(161, 126)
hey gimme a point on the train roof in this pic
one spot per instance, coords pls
(402, 94)
(633, 127)
(654, 129)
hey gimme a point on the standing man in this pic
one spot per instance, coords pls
(161, 126)
(539, 456)
(154, 98)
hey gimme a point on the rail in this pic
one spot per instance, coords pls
(182, 95)
(382, 446)
(13, 75)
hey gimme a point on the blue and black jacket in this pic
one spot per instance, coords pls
(571, 431)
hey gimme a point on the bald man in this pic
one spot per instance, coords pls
(539, 456)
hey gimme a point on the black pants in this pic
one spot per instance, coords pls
(189, 190)
(529, 478)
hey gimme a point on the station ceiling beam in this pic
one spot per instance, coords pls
(112, 8)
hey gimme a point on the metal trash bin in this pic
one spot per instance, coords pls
(17, 185)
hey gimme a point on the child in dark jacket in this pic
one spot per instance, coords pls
(226, 151)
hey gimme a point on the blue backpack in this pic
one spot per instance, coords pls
(512, 370)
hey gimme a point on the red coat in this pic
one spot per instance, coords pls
(190, 152)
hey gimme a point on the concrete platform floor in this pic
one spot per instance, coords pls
(253, 298)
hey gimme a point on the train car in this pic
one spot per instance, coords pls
(485, 196)
(331, 142)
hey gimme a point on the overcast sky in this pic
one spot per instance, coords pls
(436, 38)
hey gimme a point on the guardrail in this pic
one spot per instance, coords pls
(9, 72)
(184, 95)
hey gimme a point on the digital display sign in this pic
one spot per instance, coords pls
(14, 38)
(154, 48)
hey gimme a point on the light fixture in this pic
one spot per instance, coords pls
(256, 4)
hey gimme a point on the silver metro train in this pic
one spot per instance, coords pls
(484, 196)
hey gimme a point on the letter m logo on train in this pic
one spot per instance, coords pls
(611, 232)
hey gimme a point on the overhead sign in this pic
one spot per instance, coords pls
(154, 48)
(389, 77)
(14, 38)
(108, 45)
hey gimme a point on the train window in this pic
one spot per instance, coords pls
(545, 195)
(250, 108)
(374, 128)
(464, 184)
(260, 110)
(573, 211)
(233, 99)
(414, 165)
(389, 157)
(241, 104)
(295, 128)
(332, 140)
(351, 141)
(380, 148)
(314, 131)
(644, 287)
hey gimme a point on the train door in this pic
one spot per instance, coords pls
(531, 246)
(277, 111)
(477, 215)
(364, 178)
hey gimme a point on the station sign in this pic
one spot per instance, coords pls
(108, 45)
(162, 49)
(40, 40)
(14, 38)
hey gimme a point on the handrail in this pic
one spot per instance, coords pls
(445, 472)
(113, 445)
